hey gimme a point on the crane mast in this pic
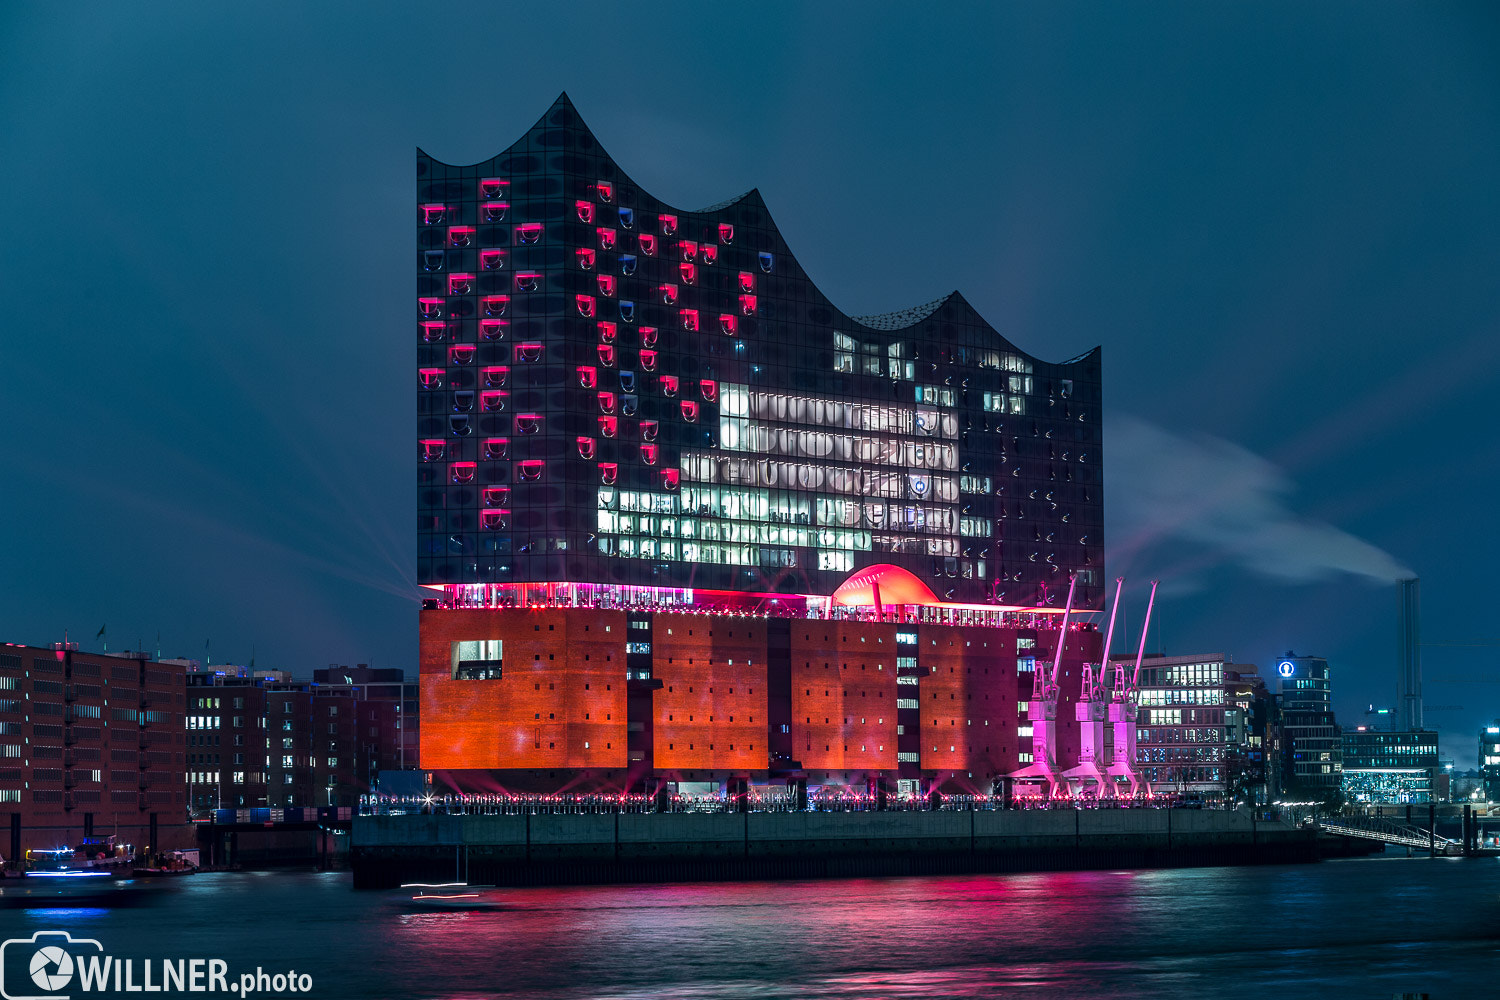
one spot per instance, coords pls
(1042, 710)
(1091, 711)
(1123, 709)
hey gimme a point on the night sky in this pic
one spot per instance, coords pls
(1280, 221)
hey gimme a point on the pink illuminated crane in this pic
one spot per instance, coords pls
(1123, 710)
(1042, 711)
(1091, 711)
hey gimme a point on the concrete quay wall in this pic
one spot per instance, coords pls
(551, 849)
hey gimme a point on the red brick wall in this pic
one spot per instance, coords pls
(710, 713)
(844, 695)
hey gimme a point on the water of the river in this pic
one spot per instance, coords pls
(1343, 929)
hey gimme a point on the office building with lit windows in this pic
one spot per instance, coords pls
(1489, 761)
(1311, 747)
(1182, 741)
(1389, 767)
(682, 517)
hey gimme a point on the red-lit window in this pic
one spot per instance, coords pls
(669, 385)
(606, 355)
(668, 294)
(690, 319)
(585, 210)
(648, 335)
(585, 257)
(670, 478)
(726, 233)
(608, 472)
(729, 323)
(689, 249)
(461, 354)
(528, 233)
(530, 352)
(432, 378)
(689, 411)
(668, 224)
(496, 449)
(495, 376)
(528, 423)
(431, 308)
(747, 281)
(493, 401)
(689, 272)
(495, 305)
(648, 453)
(492, 329)
(492, 187)
(462, 472)
(585, 305)
(432, 451)
(460, 236)
(607, 332)
(648, 244)
(709, 388)
(649, 429)
(606, 239)
(432, 215)
(606, 402)
(530, 472)
(528, 282)
(495, 496)
(585, 447)
(648, 361)
(709, 253)
(606, 191)
(460, 284)
(494, 211)
(491, 260)
(609, 426)
(747, 305)
(494, 520)
(433, 330)
(588, 377)
(606, 284)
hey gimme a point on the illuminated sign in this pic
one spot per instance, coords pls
(1286, 668)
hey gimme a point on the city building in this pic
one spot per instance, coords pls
(1249, 737)
(1381, 767)
(91, 746)
(1182, 741)
(684, 519)
(1311, 751)
(1489, 762)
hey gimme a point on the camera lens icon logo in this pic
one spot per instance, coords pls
(51, 968)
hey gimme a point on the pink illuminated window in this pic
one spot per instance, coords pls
(529, 233)
(585, 447)
(606, 284)
(585, 305)
(431, 308)
(606, 402)
(492, 329)
(530, 352)
(609, 426)
(729, 323)
(608, 472)
(432, 378)
(709, 388)
(492, 187)
(649, 429)
(528, 423)
(495, 305)
(496, 449)
(491, 260)
(648, 335)
(689, 411)
(747, 281)
(690, 319)
(432, 451)
(648, 244)
(494, 520)
(747, 305)
(588, 377)
(709, 253)
(585, 210)
(669, 385)
(689, 249)
(461, 354)
(670, 478)
(433, 330)
(495, 376)
(493, 401)
(648, 361)
(495, 496)
(494, 211)
(606, 239)
(606, 191)
(460, 236)
(606, 355)
(668, 224)
(462, 472)
(668, 294)
(726, 233)
(529, 472)
(432, 215)
(607, 331)
(648, 453)
(585, 257)
(460, 284)
(689, 272)
(528, 281)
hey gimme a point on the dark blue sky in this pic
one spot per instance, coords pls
(1280, 221)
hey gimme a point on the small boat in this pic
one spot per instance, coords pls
(451, 897)
(55, 881)
(171, 865)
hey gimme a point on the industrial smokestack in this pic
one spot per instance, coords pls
(1409, 654)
